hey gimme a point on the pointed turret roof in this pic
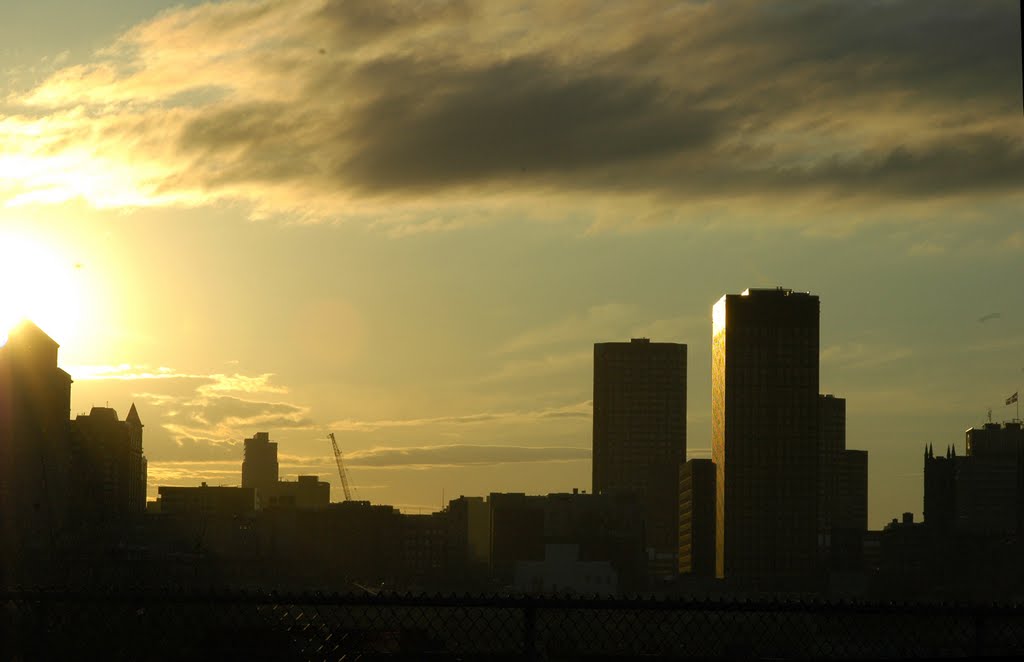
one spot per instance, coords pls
(133, 416)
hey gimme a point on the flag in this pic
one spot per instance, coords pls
(1013, 398)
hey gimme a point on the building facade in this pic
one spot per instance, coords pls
(765, 436)
(639, 436)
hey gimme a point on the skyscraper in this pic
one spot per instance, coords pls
(765, 435)
(639, 437)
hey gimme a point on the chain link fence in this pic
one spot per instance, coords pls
(152, 626)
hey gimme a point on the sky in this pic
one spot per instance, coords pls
(408, 223)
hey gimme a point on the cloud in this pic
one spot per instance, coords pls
(345, 110)
(852, 356)
(201, 416)
(542, 366)
(216, 382)
(423, 457)
(571, 329)
(580, 410)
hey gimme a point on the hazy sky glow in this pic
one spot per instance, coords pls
(409, 223)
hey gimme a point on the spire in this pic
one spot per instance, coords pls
(954, 450)
(133, 416)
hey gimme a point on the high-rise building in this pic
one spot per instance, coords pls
(109, 478)
(639, 437)
(765, 435)
(35, 457)
(259, 464)
(697, 518)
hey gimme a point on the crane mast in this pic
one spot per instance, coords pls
(341, 467)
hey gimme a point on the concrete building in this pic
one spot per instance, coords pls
(639, 436)
(697, 518)
(765, 436)
(35, 451)
(109, 479)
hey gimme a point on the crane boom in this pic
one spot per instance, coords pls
(341, 467)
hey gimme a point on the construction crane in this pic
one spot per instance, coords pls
(341, 467)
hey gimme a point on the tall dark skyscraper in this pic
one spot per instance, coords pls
(640, 435)
(765, 434)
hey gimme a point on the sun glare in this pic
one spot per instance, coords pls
(37, 283)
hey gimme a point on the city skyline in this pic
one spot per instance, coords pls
(209, 234)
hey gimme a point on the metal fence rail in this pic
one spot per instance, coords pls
(234, 625)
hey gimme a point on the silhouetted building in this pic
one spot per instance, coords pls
(308, 492)
(562, 571)
(765, 436)
(605, 527)
(259, 464)
(697, 518)
(981, 492)
(851, 492)
(206, 500)
(939, 489)
(469, 539)
(842, 490)
(109, 477)
(424, 549)
(35, 453)
(831, 444)
(639, 438)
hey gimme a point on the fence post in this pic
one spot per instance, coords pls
(530, 632)
(979, 632)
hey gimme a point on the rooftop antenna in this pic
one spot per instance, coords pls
(990, 414)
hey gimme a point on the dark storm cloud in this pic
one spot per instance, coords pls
(525, 116)
(372, 18)
(462, 455)
(649, 117)
(951, 50)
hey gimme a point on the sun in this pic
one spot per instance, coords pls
(39, 284)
